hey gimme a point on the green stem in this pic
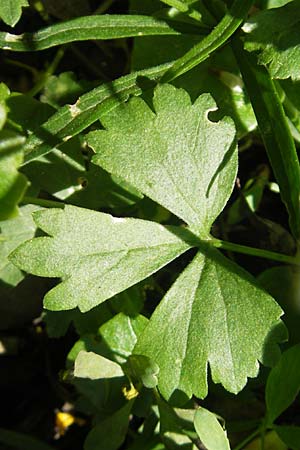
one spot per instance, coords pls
(218, 37)
(48, 72)
(22, 65)
(184, 8)
(88, 63)
(274, 256)
(42, 202)
(104, 7)
(248, 439)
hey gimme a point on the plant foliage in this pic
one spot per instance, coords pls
(129, 189)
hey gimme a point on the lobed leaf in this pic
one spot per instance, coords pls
(214, 313)
(70, 120)
(275, 34)
(176, 156)
(225, 86)
(97, 255)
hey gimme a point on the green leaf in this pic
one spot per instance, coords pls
(93, 366)
(289, 435)
(58, 322)
(11, 10)
(176, 426)
(209, 430)
(27, 112)
(196, 9)
(21, 441)
(275, 33)
(131, 301)
(283, 383)
(12, 183)
(99, 380)
(185, 8)
(225, 86)
(177, 156)
(114, 339)
(110, 433)
(64, 88)
(289, 92)
(120, 334)
(70, 120)
(141, 368)
(109, 26)
(4, 95)
(87, 343)
(146, 444)
(222, 319)
(2, 115)
(66, 175)
(97, 255)
(282, 282)
(13, 233)
(277, 3)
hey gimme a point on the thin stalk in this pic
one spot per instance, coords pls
(262, 440)
(252, 251)
(90, 65)
(184, 8)
(248, 439)
(22, 65)
(210, 43)
(104, 7)
(48, 72)
(42, 202)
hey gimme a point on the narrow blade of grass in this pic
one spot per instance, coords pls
(91, 27)
(274, 130)
(219, 35)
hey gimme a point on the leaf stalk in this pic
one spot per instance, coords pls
(253, 251)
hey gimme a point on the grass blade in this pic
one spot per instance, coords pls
(274, 130)
(219, 35)
(90, 27)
